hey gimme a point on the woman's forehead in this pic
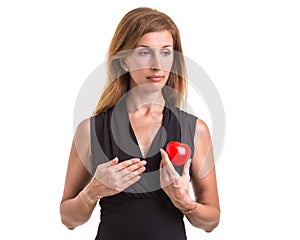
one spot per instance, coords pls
(156, 39)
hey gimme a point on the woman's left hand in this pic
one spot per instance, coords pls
(174, 185)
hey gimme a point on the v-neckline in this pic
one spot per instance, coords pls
(154, 138)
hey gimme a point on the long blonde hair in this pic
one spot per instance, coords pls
(131, 28)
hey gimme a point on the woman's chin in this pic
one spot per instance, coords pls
(148, 87)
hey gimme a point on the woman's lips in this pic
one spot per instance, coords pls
(155, 78)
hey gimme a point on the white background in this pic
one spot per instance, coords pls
(251, 51)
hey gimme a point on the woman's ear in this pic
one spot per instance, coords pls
(124, 64)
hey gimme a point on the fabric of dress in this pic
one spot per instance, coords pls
(143, 211)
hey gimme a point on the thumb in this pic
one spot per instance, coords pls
(110, 163)
(114, 161)
(187, 167)
(164, 155)
(107, 164)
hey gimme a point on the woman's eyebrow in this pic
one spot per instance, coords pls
(150, 47)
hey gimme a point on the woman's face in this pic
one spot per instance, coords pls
(151, 60)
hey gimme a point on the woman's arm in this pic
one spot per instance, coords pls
(203, 213)
(82, 190)
(207, 212)
(75, 207)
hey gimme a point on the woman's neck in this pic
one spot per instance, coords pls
(145, 102)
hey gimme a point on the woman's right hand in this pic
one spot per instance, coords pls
(112, 177)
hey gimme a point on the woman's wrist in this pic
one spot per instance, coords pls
(184, 202)
(190, 208)
(86, 198)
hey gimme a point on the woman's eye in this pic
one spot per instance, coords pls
(144, 53)
(166, 52)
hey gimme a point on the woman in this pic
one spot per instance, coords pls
(118, 156)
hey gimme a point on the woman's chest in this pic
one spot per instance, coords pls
(145, 129)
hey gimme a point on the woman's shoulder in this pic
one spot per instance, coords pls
(183, 114)
(83, 126)
(202, 132)
(202, 126)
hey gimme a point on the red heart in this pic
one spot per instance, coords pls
(178, 152)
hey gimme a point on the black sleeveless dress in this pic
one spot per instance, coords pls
(143, 211)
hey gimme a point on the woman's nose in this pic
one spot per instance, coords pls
(156, 62)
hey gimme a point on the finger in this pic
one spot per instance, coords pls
(161, 173)
(173, 174)
(162, 165)
(129, 176)
(139, 169)
(165, 161)
(164, 177)
(109, 163)
(165, 180)
(187, 167)
(169, 173)
(165, 157)
(125, 164)
(130, 182)
(136, 168)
